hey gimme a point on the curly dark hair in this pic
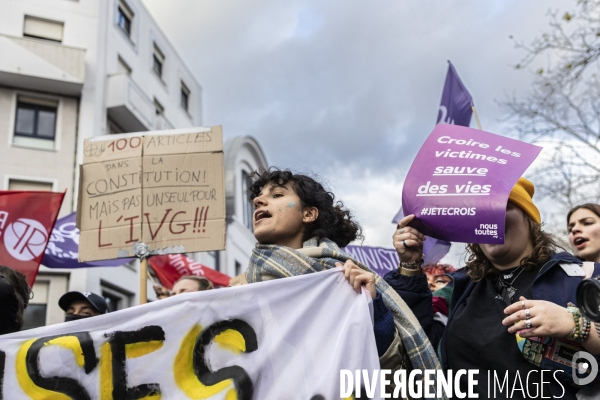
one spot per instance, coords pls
(479, 267)
(19, 283)
(595, 208)
(334, 222)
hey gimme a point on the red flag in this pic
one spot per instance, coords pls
(26, 220)
(170, 268)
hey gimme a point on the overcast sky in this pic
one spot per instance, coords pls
(349, 90)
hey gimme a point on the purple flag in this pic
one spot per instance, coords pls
(379, 259)
(63, 248)
(459, 183)
(382, 260)
(455, 109)
(456, 104)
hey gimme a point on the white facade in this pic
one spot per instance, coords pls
(243, 155)
(89, 68)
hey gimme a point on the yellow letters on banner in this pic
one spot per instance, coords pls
(183, 370)
(31, 389)
(106, 378)
(139, 349)
(71, 343)
(231, 340)
(132, 350)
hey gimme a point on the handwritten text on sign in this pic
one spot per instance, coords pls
(165, 189)
(459, 183)
(240, 342)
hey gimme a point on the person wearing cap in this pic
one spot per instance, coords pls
(79, 305)
(506, 294)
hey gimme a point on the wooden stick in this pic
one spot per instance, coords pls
(143, 281)
(150, 276)
(476, 117)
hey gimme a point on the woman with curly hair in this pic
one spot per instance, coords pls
(509, 304)
(300, 229)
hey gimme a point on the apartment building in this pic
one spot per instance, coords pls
(75, 69)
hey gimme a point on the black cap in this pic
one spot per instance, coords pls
(97, 302)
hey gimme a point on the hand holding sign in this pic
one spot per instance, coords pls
(408, 241)
(459, 183)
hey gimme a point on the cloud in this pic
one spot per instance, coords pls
(349, 90)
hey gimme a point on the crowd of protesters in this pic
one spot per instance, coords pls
(489, 315)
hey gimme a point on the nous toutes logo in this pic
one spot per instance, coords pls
(25, 239)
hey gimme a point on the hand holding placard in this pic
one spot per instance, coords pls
(408, 242)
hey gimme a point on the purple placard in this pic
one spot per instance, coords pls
(459, 183)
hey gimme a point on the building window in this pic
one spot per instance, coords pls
(122, 66)
(158, 60)
(213, 260)
(159, 108)
(238, 268)
(185, 97)
(27, 185)
(35, 121)
(43, 29)
(248, 205)
(125, 17)
(43, 306)
(35, 313)
(116, 298)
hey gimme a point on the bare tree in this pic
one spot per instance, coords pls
(562, 107)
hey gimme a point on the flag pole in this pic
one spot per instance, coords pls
(476, 117)
(150, 276)
(143, 280)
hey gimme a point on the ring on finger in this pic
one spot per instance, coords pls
(404, 244)
(528, 324)
(527, 313)
(523, 304)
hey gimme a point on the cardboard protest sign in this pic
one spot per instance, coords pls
(26, 220)
(280, 339)
(459, 183)
(165, 189)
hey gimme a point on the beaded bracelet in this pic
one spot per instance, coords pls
(585, 329)
(412, 268)
(575, 334)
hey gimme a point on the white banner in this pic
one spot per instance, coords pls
(281, 339)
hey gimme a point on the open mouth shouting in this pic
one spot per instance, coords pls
(260, 215)
(579, 242)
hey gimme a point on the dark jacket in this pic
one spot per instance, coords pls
(551, 284)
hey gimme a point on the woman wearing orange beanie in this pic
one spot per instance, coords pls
(508, 296)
